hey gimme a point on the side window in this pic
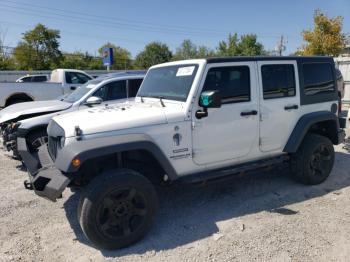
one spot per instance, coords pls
(134, 85)
(278, 81)
(102, 92)
(27, 79)
(233, 83)
(39, 78)
(318, 78)
(116, 90)
(76, 78)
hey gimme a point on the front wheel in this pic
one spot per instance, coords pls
(314, 160)
(117, 208)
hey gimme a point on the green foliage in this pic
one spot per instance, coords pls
(326, 38)
(79, 60)
(39, 49)
(122, 57)
(247, 45)
(7, 63)
(189, 50)
(154, 53)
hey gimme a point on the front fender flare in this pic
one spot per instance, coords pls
(90, 149)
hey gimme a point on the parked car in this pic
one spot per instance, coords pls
(191, 121)
(62, 81)
(35, 116)
(32, 78)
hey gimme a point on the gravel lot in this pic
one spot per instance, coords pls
(260, 216)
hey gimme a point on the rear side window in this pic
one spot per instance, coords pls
(233, 82)
(134, 85)
(278, 81)
(318, 78)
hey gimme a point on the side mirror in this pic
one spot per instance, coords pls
(94, 100)
(208, 99)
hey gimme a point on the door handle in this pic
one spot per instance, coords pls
(291, 107)
(249, 113)
(73, 87)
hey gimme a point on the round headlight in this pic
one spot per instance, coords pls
(62, 141)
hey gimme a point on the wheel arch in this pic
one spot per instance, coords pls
(88, 150)
(324, 123)
(18, 95)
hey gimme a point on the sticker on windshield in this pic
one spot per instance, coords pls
(90, 86)
(185, 71)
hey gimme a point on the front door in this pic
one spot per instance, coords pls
(230, 132)
(279, 103)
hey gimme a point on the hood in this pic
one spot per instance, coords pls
(112, 118)
(20, 110)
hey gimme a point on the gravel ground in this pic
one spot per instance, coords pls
(262, 216)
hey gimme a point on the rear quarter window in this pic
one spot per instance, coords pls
(318, 78)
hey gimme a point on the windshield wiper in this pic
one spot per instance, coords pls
(159, 97)
(160, 100)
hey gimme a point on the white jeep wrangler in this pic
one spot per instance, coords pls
(191, 121)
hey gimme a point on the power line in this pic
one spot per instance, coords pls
(99, 23)
(126, 21)
(111, 22)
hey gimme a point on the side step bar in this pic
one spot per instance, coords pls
(233, 170)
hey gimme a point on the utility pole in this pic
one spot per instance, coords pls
(280, 46)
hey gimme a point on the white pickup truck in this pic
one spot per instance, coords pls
(62, 81)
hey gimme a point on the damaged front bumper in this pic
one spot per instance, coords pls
(9, 138)
(46, 180)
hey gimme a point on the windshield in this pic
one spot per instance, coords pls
(170, 82)
(81, 91)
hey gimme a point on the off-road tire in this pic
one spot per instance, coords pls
(314, 160)
(117, 208)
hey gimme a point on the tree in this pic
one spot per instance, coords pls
(122, 57)
(247, 45)
(79, 60)
(229, 47)
(39, 49)
(154, 53)
(6, 60)
(326, 38)
(188, 50)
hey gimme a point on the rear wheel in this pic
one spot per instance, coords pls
(117, 208)
(15, 100)
(314, 160)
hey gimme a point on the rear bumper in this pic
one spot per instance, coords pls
(46, 180)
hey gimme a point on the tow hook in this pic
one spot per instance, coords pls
(28, 185)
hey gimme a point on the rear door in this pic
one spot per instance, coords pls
(279, 103)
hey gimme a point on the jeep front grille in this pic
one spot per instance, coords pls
(53, 146)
